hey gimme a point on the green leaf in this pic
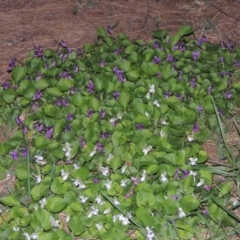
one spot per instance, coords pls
(9, 201)
(81, 174)
(189, 203)
(87, 48)
(50, 110)
(42, 219)
(133, 75)
(40, 142)
(101, 32)
(118, 138)
(65, 84)
(41, 84)
(54, 92)
(125, 65)
(39, 191)
(77, 100)
(18, 73)
(21, 173)
(145, 198)
(124, 99)
(168, 72)
(59, 187)
(9, 95)
(131, 48)
(22, 87)
(160, 34)
(75, 225)
(59, 126)
(224, 189)
(150, 68)
(169, 206)
(56, 204)
(94, 103)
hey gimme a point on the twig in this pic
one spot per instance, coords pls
(146, 19)
(225, 13)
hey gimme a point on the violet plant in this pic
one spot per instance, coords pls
(112, 132)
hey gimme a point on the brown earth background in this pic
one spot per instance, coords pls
(25, 24)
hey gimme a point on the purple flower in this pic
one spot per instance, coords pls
(139, 126)
(180, 46)
(24, 129)
(195, 127)
(119, 74)
(49, 132)
(195, 55)
(199, 109)
(39, 76)
(207, 188)
(6, 85)
(221, 59)
(102, 63)
(135, 180)
(14, 154)
(228, 95)
(65, 102)
(104, 135)
(159, 75)
(18, 120)
(156, 45)
(202, 40)
(117, 51)
(69, 49)
(100, 147)
(102, 114)
(95, 180)
(210, 88)
(67, 128)
(24, 152)
(59, 102)
(70, 117)
(156, 60)
(79, 51)
(75, 70)
(82, 142)
(174, 197)
(72, 90)
(39, 127)
(236, 63)
(205, 211)
(116, 95)
(109, 30)
(167, 94)
(179, 96)
(53, 63)
(46, 66)
(193, 82)
(65, 74)
(169, 58)
(176, 174)
(89, 113)
(11, 64)
(220, 111)
(38, 51)
(37, 95)
(230, 46)
(185, 173)
(64, 44)
(90, 87)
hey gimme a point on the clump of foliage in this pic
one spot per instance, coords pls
(106, 140)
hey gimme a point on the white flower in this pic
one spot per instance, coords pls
(54, 222)
(93, 152)
(38, 178)
(190, 138)
(116, 202)
(110, 156)
(193, 161)
(113, 120)
(129, 215)
(193, 174)
(181, 213)
(76, 166)
(34, 236)
(124, 220)
(146, 114)
(105, 171)
(123, 182)
(93, 212)
(83, 199)
(147, 149)
(124, 167)
(107, 211)
(67, 149)
(200, 183)
(27, 236)
(64, 175)
(43, 202)
(150, 233)
(156, 103)
(162, 133)
(152, 88)
(163, 122)
(35, 207)
(98, 226)
(78, 183)
(108, 184)
(16, 229)
(40, 160)
(235, 201)
(68, 217)
(163, 177)
(143, 177)
(99, 200)
(120, 115)
(148, 95)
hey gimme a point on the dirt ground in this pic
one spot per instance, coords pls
(25, 24)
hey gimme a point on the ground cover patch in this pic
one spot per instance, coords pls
(110, 136)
